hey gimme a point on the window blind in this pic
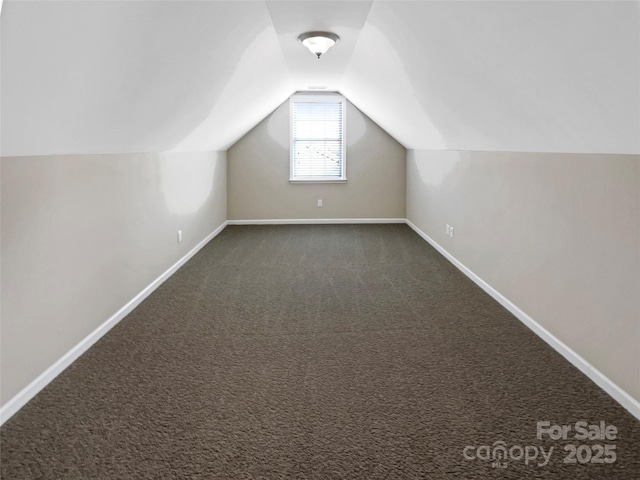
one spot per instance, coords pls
(317, 140)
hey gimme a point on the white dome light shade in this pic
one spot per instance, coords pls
(318, 42)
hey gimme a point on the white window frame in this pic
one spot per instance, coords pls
(319, 98)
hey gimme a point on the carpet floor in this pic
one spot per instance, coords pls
(318, 352)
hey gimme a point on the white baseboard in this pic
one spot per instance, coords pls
(19, 400)
(27, 393)
(617, 393)
(314, 221)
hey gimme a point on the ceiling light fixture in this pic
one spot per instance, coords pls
(318, 42)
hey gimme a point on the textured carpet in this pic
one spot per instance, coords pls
(316, 352)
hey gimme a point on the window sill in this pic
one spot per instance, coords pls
(327, 180)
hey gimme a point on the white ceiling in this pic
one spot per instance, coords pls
(125, 76)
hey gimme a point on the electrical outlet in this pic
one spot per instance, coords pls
(451, 232)
(179, 236)
(319, 203)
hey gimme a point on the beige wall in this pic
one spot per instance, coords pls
(556, 234)
(82, 235)
(258, 179)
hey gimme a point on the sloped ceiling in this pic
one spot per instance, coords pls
(147, 76)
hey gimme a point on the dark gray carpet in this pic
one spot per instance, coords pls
(314, 352)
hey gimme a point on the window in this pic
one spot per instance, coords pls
(317, 138)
